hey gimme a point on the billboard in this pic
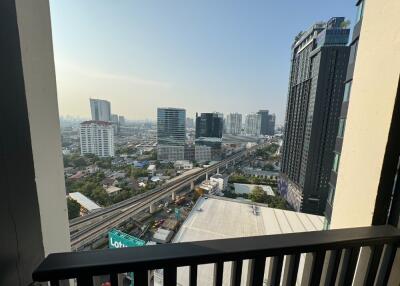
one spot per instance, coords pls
(118, 239)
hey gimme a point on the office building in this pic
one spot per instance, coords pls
(343, 113)
(121, 120)
(267, 122)
(233, 124)
(114, 118)
(171, 133)
(189, 152)
(202, 153)
(318, 71)
(271, 125)
(209, 125)
(264, 121)
(189, 123)
(101, 109)
(252, 124)
(209, 128)
(170, 153)
(97, 137)
(115, 123)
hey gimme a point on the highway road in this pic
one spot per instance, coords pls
(89, 228)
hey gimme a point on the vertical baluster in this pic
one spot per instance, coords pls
(291, 269)
(236, 272)
(275, 270)
(55, 283)
(141, 277)
(114, 279)
(331, 267)
(255, 274)
(193, 275)
(84, 280)
(170, 276)
(218, 273)
(373, 267)
(386, 265)
(318, 264)
(351, 267)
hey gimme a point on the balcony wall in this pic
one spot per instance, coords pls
(33, 214)
(370, 110)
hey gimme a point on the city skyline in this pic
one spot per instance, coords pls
(236, 60)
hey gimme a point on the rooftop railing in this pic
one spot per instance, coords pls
(330, 257)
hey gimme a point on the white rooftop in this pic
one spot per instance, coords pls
(84, 201)
(247, 188)
(162, 235)
(225, 218)
(112, 189)
(151, 167)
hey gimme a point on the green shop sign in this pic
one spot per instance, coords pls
(118, 239)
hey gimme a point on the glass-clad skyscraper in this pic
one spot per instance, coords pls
(316, 86)
(171, 133)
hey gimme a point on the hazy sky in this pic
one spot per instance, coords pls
(203, 55)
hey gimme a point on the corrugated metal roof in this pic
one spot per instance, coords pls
(84, 201)
(225, 218)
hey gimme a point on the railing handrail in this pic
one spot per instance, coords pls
(60, 266)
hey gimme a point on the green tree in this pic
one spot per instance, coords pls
(258, 195)
(79, 162)
(74, 208)
(277, 202)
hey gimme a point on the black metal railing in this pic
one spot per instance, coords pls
(330, 257)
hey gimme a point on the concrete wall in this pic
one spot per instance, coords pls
(33, 214)
(372, 97)
(41, 95)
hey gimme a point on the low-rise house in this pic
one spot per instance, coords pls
(78, 175)
(183, 165)
(209, 186)
(113, 190)
(118, 175)
(163, 235)
(109, 181)
(221, 179)
(151, 169)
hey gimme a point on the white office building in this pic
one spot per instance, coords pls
(202, 153)
(253, 124)
(97, 137)
(171, 133)
(101, 109)
(233, 123)
(170, 153)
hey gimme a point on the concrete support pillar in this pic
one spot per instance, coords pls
(226, 167)
(192, 186)
(152, 208)
(206, 176)
(217, 170)
(173, 195)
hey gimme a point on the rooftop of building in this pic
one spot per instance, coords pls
(218, 218)
(98, 122)
(219, 176)
(112, 189)
(84, 201)
(247, 188)
(171, 108)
